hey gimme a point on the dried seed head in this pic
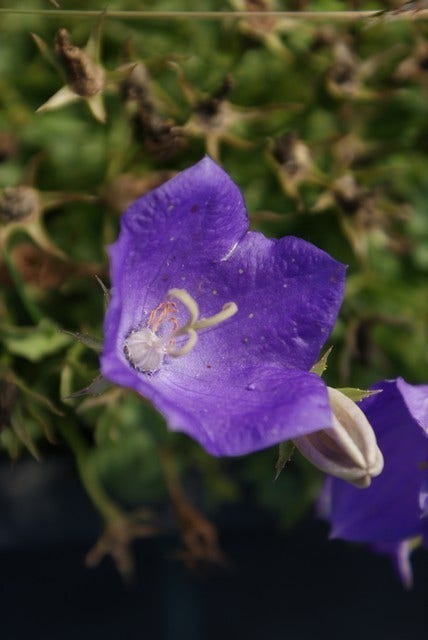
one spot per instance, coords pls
(208, 109)
(19, 203)
(349, 195)
(84, 76)
(135, 87)
(158, 135)
(342, 77)
(292, 154)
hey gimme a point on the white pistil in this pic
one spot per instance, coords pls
(145, 348)
(229, 309)
(193, 325)
(185, 298)
(192, 338)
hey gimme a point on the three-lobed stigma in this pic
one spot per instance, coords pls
(146, 347)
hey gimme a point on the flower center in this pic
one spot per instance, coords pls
(146, 347)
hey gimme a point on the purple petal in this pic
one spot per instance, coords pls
(389, 509)
(423, 493)
(245, 385)
(416, 399)
(245, 416)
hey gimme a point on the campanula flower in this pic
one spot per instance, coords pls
(392, 512)
(217, 325)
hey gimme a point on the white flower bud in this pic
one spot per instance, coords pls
(348, 449)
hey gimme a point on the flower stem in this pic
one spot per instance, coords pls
(31, 307)
(88, 474)
(198, 534)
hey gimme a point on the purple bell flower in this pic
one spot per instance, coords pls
(217, 325)
(392, 513)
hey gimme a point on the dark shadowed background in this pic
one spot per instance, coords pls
(298, 586)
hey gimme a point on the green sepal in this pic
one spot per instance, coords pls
(96, 344)
(358, 394)
(320, 366)
(285, 453)
(96, 388)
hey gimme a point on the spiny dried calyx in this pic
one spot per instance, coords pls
(19, 203)
(146, 347)
(84, 76)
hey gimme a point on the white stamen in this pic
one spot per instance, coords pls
(145, 350)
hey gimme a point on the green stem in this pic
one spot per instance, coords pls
(316, 16)
(88, 474)
(31, 307)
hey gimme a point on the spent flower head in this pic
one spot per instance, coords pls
(85, 77)
(23, 207)
(146, 112)
(292, 161)
(214, 118)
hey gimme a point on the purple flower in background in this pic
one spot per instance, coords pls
(216, 325)
(394, 509)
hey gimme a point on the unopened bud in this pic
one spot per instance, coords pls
(348, 449)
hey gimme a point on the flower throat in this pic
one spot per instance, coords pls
(146, 347)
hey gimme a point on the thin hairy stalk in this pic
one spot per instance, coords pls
(311, 16)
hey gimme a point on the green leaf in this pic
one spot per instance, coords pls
(35, 343)
(96, 388)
